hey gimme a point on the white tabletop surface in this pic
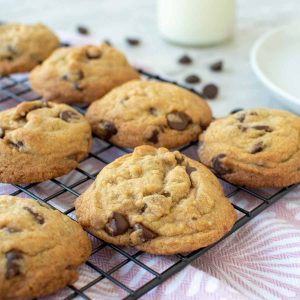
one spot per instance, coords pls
(117, 19)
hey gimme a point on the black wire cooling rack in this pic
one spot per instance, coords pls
(105, 267)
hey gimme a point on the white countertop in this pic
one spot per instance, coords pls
(115, 20)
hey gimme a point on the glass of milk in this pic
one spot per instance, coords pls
(196, 22)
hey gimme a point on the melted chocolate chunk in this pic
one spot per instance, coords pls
(217, 66)
(38, 217)
(17, 145)
(266, 128)
(154, 137)
(12, 263)
(117, 225)
(108, 129)
(218, 166)
(179, 160)
(178, 120)
(68, 116)
(146, 234)
(1, 133)
(93, 53)
(257, 148)
(185, 60)
(190, 169)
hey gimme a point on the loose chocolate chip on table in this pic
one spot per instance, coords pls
(38, 217)
(154, 137)
(108, 129)
(12, 263)
(263, 127)
(83, 30)
(178, 120)
(185, 60)
(1, 133)
(133, 41)
(146, 234)
(93, 53)
(257, 147)
(210, 91)
(64, 44)
(218, 166)
(117, 225)
(68, 116)
(190, 169)
(236, 110)
(217, 66)
(192, 79)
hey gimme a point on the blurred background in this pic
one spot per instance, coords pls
(117, 20)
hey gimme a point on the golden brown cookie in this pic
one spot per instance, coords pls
(40, 140)
(147, 112)
(81, 74)
(158, 201)
(256, 148)
(22, 47)
(40, 249)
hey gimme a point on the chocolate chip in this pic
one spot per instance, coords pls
(68, 116)
(12, 263)
(217, 66)
(263, 127)
(133, 41)
(253, 113)
(107, 42)
(93, 53)
(210, 91)
(190, 169)
(146, 234)
(241, 117)
(178, 120)
(153, 111)
(185, 60)
(257, 147)
(38, 217)
(117, 225)
(179, 160)
(108, 129)
(83, 30)
(241, 128)
(218, 166)
(144, 208)
(17, 145)
(236, 110)
(1, 133)
(154, 137)
(192, 79)
(64, 44)
(165, 194)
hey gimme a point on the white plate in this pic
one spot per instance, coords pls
(275, 59)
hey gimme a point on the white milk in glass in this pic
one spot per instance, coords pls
(196, 22)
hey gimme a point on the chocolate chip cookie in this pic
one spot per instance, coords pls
(41, 140)
(256, 148)
(81, 74)
(40, 249)
(22, 47)
(147, 112)
(158, 201)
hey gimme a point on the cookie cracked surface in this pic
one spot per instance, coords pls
(158, 201)
(40, 249)
(147, 112)
(41, 140)
(22, 47)
(256, 148)
(81, 74)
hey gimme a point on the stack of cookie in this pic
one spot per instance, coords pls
(158, 201)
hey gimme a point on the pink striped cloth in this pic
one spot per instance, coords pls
(259, 261)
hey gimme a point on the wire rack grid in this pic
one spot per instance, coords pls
(109, 265)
